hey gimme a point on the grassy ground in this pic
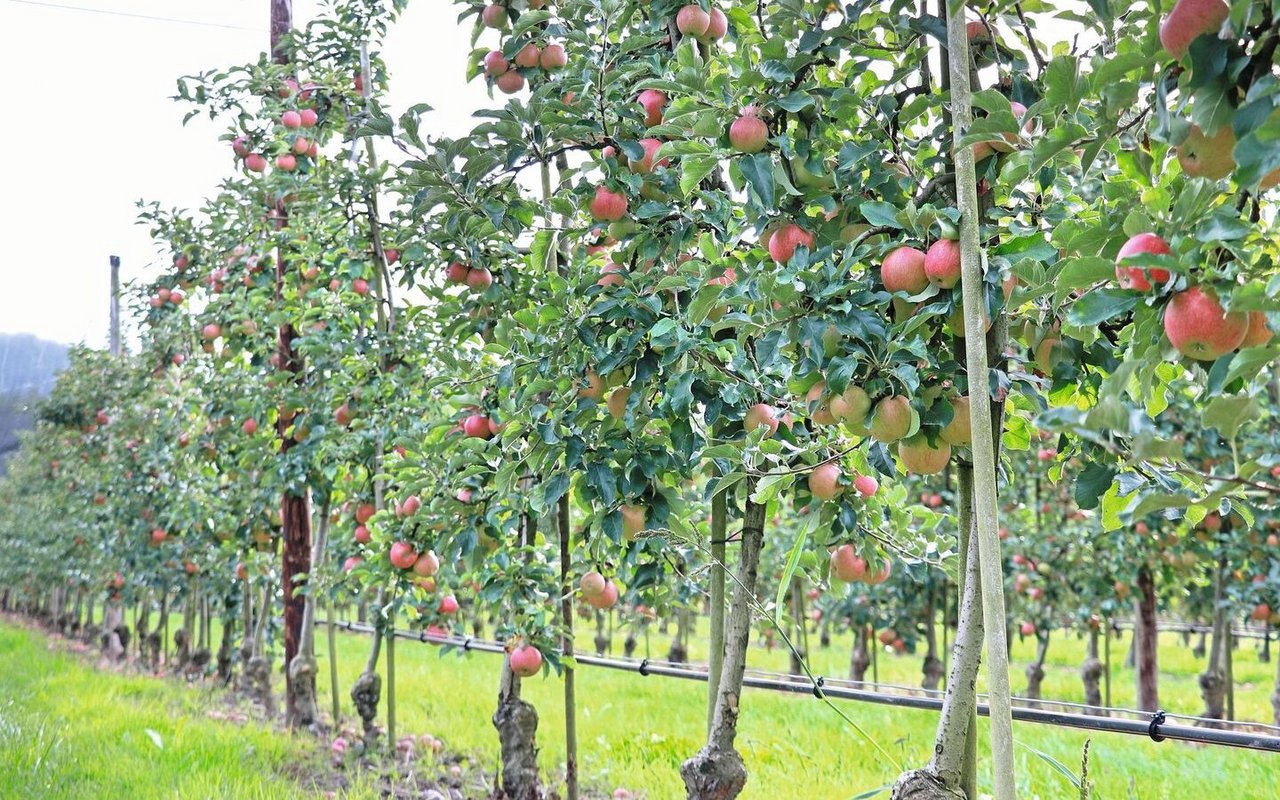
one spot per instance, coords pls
(70, 732)
(67, 731)
(634, 731)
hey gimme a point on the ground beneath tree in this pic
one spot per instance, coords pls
(424, 768)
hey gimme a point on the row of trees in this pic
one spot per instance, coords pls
(708, 279)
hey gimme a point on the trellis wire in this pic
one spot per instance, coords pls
(1250, 736)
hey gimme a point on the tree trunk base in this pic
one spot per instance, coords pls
(1213, 692)
(365, 694)
(517, 725)
(303, 710)
(1035, 677)
(1091, 675)
(921, 784)
(714, 775)
(932, 670)
(258, 674)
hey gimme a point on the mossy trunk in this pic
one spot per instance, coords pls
(1145, 642)
(366, 692)
(1091, 676)
(302, 709)
(717, 772)
(601, 641)
(516, 721)
(226, 650)
(1035, 670)
(932, 668)
(1213, 681)
(860, 660)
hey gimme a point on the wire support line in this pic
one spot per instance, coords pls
(134, 15)
(1249, 736)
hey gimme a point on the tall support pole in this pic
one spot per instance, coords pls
(985, 506)
(115, 306)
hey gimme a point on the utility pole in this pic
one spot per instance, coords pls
(115, 306)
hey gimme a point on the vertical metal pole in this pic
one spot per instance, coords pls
(115, 306)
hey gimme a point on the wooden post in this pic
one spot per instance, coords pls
(1106, 661)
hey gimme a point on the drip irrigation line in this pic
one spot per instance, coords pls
(1237, 632)
(1154, 727)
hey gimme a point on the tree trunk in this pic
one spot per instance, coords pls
(717, 771)
(257, 671)
(1145, 642)
(601, 641)
(302, 710)
(225, 649)
(676, 653)
(861, 657)
(516, 719)
(295, 503)
(1264, 655)
(932, 667)
(367, 690)
(1213, 679)
(1035, 670)
(517, 724)
(113, 630)
(566, 652)
(716, 578)
(1091, 675)
(1200, 648)
(797, 652)
(948, 775)
(333, 663)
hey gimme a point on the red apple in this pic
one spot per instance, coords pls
(526, 661)
(403, 556)
(607, 205)
(692, 20)
(1198, 327)
(942, 263)
(653, 102)
(553, 58)
(1140, 278)
(903, 271)
(426, 565)
(748, 133)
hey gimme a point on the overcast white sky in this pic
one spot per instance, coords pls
(89, 129)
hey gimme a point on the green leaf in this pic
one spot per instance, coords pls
(529, 20)
(758, 171)
(1228, 413)
(1057, 765)
(879, 213)
(1081, 272)
(693, 169)
(1100, 306)
(1093, 482)
(793, 561)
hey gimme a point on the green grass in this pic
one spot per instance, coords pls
(67, 731)
(635, 731)
(70, 732)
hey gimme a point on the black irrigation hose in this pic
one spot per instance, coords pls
(1156, 728)
(1195, 627)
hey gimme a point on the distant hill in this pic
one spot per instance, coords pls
(28, 368)
(29, 365)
